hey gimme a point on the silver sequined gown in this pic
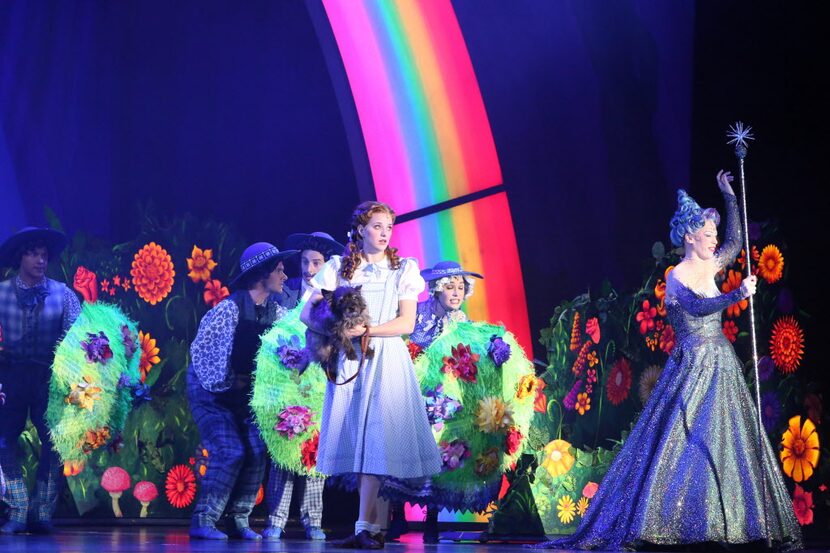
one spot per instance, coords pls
(690, 471)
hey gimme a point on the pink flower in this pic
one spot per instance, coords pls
(803, 506)
(646, 317)
(592, 329)
(590, 489)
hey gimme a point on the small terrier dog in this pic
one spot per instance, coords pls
(331, 319)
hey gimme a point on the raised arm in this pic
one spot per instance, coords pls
(731, 245)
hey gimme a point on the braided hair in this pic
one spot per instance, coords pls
(354, 247)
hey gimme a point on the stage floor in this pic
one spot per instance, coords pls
(82, 539)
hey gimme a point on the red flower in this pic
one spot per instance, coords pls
(414, 350)
(104, 285)
(513, 440)
(592, 329)
(803, 506)
(260, 495)
(540, 404)
(86, 282)
(575, 335)
(215, 292)
(309, 450)
(787, 344)
(646, 317)
(462, 363)
(666, 341)
(619, 381)
(730, 330)
(180, 486)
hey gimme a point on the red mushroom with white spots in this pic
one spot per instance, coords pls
(145, 492)
(115, 480)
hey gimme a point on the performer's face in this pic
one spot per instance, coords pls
(377, 233)
(311, 261)
(33, 263)
(704, 242)
(452, 295)
(276, 279)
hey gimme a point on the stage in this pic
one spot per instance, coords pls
(100, 539)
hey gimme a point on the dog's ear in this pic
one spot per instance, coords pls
(358, 287)
(327, 294)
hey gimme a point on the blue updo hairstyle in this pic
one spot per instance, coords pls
(689, 218)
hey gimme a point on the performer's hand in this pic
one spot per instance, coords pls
(724, 178)
(751, 283)
(357, 331)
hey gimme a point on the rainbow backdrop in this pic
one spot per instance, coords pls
(428, 141)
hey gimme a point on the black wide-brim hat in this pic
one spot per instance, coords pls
(317, 241)
(257, 254)
(446, 269)
(54, 240)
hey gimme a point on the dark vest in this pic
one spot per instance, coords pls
(253, 322)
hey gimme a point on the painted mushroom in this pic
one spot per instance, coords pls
(145, 492)
(115, 480)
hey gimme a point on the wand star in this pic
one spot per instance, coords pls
(738, 135)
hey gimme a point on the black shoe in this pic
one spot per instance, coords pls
(366, 540)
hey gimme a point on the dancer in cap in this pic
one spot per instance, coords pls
(35, 313)
(218, 388)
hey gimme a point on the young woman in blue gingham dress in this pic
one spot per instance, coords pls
(376, 425)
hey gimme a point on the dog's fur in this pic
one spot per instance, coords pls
(331, 319)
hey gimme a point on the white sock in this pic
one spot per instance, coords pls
(374, 528)
(362, 525)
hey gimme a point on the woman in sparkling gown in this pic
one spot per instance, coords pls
(690, 470)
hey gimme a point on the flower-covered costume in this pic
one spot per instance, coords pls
(376, 424)
(218, 388)
(690, 470)
(33, 320)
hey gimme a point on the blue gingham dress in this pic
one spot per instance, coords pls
(377, 424)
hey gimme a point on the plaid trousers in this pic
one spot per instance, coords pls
(278, 497)
(26, 386)
(237, 457)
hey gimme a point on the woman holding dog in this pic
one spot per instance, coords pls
(375, 425)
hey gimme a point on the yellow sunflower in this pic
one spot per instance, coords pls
(566, 508)
(582, 506)
(200, 264)
(149, 354)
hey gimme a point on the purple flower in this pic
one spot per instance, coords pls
(453, 453)
(97, 347)
(766, 368)
(293, 420)
(141, 392)
(292, 354)
(570, 400)
(785, 302)
(440, 407)
(498, 350)
(770, 410)
(130, 346)
(123, 381)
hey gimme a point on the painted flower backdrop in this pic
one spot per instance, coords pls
(165, 279)
(605, 353)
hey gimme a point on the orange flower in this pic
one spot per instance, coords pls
(786, 344)
(260, 495)
(152, 272)
(576, 337)
(732, 282)
(666, 341)
(527, 386)
(540, 404)
(215, 292)
(200, 263)
(583, 403)
(180, 486)
(755, 257)
(660, 294)
(771, 264)
(800, 449)
(149, 354)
